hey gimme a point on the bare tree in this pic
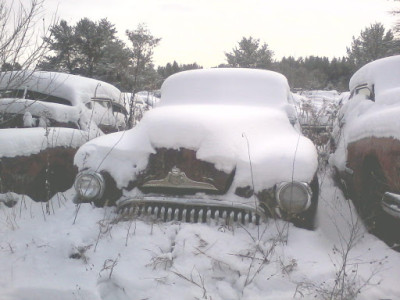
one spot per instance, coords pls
(23, 33)
(141, 55)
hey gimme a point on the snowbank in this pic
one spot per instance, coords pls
(83, 254)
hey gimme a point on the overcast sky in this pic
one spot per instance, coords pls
(203, 30)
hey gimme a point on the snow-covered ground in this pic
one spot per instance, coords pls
(317, 108)
(83, 253)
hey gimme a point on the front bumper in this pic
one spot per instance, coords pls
(391, 204)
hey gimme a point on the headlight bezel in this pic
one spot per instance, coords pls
(96, 179)
(298, 206)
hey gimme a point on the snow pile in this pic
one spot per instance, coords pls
(382, 77)
(226, 86)
(28, 141)
(219, 134)
(83, 254)
(74, 88)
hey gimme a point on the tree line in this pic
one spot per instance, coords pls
(93, 49)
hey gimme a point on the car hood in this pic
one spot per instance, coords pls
(260, 143)
(27, 141)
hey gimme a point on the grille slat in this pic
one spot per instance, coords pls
(194, 213)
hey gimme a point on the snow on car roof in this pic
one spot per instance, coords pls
(225, 86)
(76, 89)
(383, 73)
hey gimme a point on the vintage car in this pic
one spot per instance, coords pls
(367, 156)
(44, 118)
(221, 144)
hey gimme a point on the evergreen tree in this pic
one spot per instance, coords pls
(141, 57)
(173, 68)
(373, 43)
(88, 48)
(250, 54)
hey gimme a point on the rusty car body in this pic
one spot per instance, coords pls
(221, 144)
(44, 118)
(367, 158)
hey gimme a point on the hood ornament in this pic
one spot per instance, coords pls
(178, 180)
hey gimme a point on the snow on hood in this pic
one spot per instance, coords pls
(76, 89)
(218, 133)
(28, 141)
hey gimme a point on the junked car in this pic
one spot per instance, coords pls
(221, 144)
(367, 156)
(44, 118)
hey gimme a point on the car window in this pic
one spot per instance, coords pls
(117, 108)
(365, 91)
(103, 102)
(32, 95)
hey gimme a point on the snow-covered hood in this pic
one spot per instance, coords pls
(227, 136)
(27, 141)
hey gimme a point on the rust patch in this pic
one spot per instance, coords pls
(41, 175)
(165, 159)
(385, 150)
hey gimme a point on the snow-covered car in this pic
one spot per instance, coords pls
(222, 143)
(367, 155)
(44, 118)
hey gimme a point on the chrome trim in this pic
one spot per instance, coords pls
(188, 202)
(97, 176)
(391, 204)
(301, 184)
(349, 171)
(178, 179)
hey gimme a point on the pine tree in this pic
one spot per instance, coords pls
(250, 54)
(373, 43)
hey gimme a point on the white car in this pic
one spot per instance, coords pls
(222, 143)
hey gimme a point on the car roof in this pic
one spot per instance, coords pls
(225, 86)
(74, 88)
(383, 74)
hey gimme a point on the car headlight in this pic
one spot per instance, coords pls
(89, 185)
(293, 197)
